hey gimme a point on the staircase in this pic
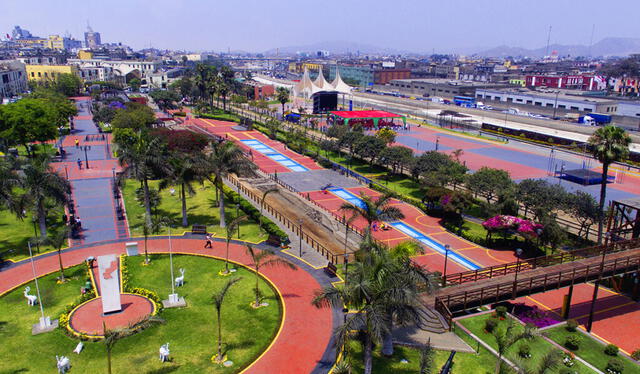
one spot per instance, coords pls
(432, 321)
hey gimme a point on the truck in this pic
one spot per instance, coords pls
(595, 119)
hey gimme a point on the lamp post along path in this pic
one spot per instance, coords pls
(174, 301)
(45, 324)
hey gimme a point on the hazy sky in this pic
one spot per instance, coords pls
(258, 25)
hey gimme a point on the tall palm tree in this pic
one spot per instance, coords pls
(373, 210)
(42, 184)
(143, 158)
(381, 289)
(185, 169)
(608, 145)
(218, 300)
(224, 158)
(57, 241)
(507, 338)
(111, 337)
(282, 94)
(261, 259)
(9, 180)
(230, 229)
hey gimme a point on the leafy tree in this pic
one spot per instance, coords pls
(507, 338)
(369, 147)
(28, 120)
(282, 95)
(218, 300)
(225, 158)
(396, 157)
(387, 135)
(338, 131)
(373, 210)
(262, 259)
(182, 141)
(585, 210)
(165, 99)
(489, 182)
(104, 113)
(184, 87)
(608, 144)
(552, 234)
(350, 139)
(430, 161)
(68, 84)
(134, 116)
(42, 185)
(61, 105)
(135, 84)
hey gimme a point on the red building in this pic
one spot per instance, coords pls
(261, 91)
(572, 82)
(384, 76)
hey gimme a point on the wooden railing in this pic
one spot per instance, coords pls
(542, 261)
(494, 293)
(442, 308)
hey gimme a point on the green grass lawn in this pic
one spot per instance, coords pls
(200, 210)
(482, 362)
(539, 347)
(191, 331)
(590, 350)
(15, 234)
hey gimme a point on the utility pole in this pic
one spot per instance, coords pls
(548, 41)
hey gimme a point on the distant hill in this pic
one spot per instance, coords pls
(334, 47)
(605, 47)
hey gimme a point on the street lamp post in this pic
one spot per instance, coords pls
(86, 159)
(238, 215)
(597, 284)
(300, 235)
(447, 248)
(45, 322)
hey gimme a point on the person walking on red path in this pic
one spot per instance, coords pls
(208, 239)
(77, 143)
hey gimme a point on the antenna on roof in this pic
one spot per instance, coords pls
(548, 41)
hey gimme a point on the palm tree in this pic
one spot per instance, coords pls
(151, 226)
(282, 94)
(507, 338)
(426, 358)
(262, 259)
(142, 158)
(111, 337)
(225, 158)
(230, 229)
(184, 171)
(264, 196)
(57, 241)
(218, 300)
(550, 361)
(382, 288)
(9, 180)
(608, 144)
(374, 210)
(42, 184)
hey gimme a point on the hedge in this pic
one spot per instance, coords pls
(220, 117)
(269, 226)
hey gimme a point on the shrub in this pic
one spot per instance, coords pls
(501, 311)
(573, 342)
(614, 366)
(636, 355)
(611, 350)
(572, 325)
(524, 351)
(490, 324)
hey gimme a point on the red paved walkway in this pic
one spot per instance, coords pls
(306, 330)
(88, 318)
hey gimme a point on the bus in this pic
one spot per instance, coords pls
(464, 101)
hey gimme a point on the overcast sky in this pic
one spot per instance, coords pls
(259, 25)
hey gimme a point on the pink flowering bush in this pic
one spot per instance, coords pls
(524, 227)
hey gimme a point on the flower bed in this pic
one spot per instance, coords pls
(524, 227)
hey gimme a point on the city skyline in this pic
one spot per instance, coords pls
(409, 26)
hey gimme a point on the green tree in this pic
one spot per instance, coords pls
(142, 157)
(68, 84)
(507, 338)
(548, 362)
(373, 210)
(427, 355)
(282, 95)
(218, 300)
(369, 147)
(262, 259)
(396, 157)
(135, 84)
(225, 158)
(230, 229)
(151, 225)
(387, 135)
(28, 120)
(134, 116)
(103, 113)
(184, 170)
(57, 241)
(608, 144)
(9, 182)
(165, 99)
(430, 161)
(184, 87)
(41, 186)
(584, 209)
(489, 182)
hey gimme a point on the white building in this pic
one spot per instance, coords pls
(630, 109)
(549, 100)
(122, 67)
(13, 78)
(90, 73)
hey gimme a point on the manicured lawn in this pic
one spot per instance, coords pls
(200, 210)
(539, 347)
(15, 234)
(590, 350)
(477, 363)
(191, 331)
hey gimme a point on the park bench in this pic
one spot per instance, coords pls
(331, 269)
(199, 229)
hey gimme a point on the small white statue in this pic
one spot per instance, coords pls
(31, 299)
(164, 352)
(63, 364)
(179, 281)
(78, 348)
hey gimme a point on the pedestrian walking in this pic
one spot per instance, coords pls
(208, 243)
(79, 164)
(77, 143)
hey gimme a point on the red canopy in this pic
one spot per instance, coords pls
(364, 114)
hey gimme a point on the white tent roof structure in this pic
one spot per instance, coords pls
(321, 82)
(339, 85)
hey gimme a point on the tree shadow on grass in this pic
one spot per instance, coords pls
(238, 345)
(164, 370)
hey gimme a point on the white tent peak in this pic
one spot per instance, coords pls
(339, 85)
